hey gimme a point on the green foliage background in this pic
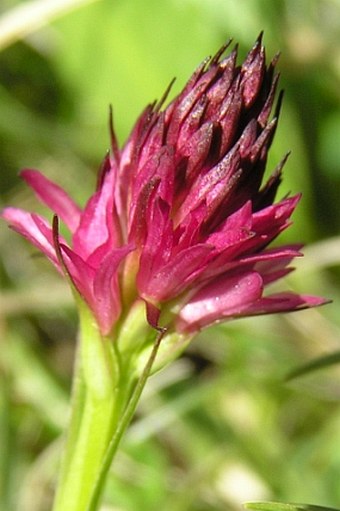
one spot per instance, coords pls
(221, 425)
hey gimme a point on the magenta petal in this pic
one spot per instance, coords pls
(222, 298)
(174, 277)
(107, 304)
(157, 171)
(228, 239)
(196, 149)
(268, 223)
(229, 116)
(236, 228)
(275, 216)
(54, 197)
(158, 244)
(99, 223)
(266, 263)
(283, 302)
(193, 122)
(274, 263)
(188, 232)
(186, 102)
(252, 73)
(273, 257)
(35, 229)
(81, 273)
(154, 142)
(223, 89)
(99, 288)
(275, 275)
(213, 186)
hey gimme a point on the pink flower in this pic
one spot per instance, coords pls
(180, 218)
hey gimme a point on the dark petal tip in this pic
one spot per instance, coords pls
(259, 38)
(216, 58)
(113, 137)
(161, 102)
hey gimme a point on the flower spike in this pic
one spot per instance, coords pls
(180, 219)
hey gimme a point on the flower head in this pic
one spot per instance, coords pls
(180, 218)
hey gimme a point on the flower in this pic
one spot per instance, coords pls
(180, 218)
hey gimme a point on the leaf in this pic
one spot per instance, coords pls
(314, 365)
(24, 19)
(278, 506)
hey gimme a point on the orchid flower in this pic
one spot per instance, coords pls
(177, 236)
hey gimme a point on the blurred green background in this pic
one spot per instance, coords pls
(221, 425)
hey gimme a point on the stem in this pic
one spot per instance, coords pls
(93, 417)
(105, 396)
(123, 424)
(77, 407)
(82, 468)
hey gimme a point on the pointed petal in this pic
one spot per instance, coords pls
(154, 141)
(193, 122)
(265, 112)
(252, 73)
(158, 168)
(195, 150)
(266, 225)
(99, 222)
(81, 273)
(107, 305)
(283, 302)
(155, 183)
(34, 228)
(188, 232)
(220, 90)
(176, 276)
(236, 228)
(274, 259)
(269, 222)
(187, 102)
(54, 197)
(229, 117)
(158, 245)
(220, 299)
(99, 288)
(213, 186)
(266, 195)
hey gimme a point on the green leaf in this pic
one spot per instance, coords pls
(279, 506)
(314, 365)
(24, 19)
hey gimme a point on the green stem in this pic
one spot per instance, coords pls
(105, 396)
(77, 406)
(93, 436)
(93, 417)
(123, 424)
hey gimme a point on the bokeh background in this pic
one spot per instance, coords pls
(222, 425)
